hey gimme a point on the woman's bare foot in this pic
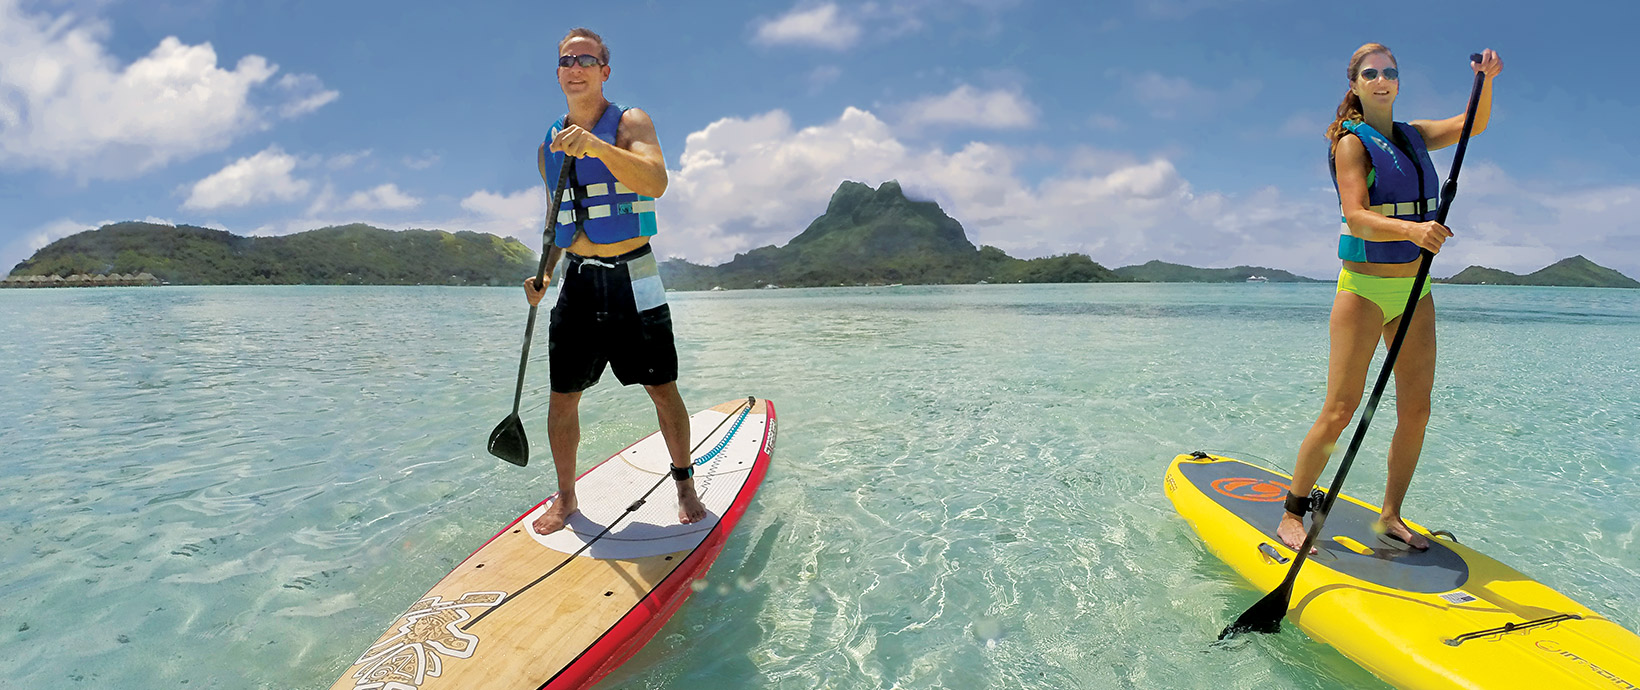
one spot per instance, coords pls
(557, 514)
(1292, 532)
(1393, 527)
(690, 509)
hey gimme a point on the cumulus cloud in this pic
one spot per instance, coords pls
(744, 183)
(31, 241)
(822, 26)
(520, 214)
(967, 106)
(1518, 225)
(67, 105)
(384, 197)
(262, 178)
(750, 182)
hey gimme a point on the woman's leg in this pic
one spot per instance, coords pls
(1414, 379)
(1354, 330)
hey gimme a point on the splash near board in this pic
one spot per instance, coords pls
(563, 610)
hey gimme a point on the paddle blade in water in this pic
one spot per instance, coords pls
(508, 442)
(1263, 617)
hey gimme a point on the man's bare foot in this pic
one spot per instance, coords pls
(1395, 529)
(690, 509)
(1292, 532)
(557, 514)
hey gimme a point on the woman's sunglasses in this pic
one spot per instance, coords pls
(590, 61)
(1367, 74)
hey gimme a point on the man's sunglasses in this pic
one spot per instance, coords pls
(587, 61)
(1367, 74)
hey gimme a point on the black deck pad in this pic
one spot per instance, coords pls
(1255, 495)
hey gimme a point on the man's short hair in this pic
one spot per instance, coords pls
(582, 32)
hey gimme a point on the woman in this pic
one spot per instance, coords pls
(1388, 192)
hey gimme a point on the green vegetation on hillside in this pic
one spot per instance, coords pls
(879, 236)
(343, 255)
(1576, 271)
(1163, 272)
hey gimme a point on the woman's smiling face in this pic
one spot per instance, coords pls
(1380, 90)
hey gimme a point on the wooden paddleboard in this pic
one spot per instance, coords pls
(563, 610)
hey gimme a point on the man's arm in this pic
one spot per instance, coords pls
(634, 158)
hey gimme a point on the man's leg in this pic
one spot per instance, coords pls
(674, 421)
(564, 435)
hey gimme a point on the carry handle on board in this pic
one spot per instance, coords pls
(508, 441)
(1265, 616)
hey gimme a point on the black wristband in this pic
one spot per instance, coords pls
(682, 473)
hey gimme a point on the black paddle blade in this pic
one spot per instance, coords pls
(508, 442)
(1263, 617)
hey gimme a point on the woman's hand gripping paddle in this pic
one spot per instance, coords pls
(508, 441)
(1265, 616)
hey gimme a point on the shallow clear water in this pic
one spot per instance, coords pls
(240, 487)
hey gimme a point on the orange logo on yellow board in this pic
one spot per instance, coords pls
(1250, 489)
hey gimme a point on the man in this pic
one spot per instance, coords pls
(611, 307)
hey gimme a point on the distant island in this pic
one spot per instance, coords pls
(342, 255)
(1576, 271)
(865, 237)
(1163, 272)
(879, 237)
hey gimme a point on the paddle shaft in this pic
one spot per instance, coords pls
(1448, 191)
(547, 246)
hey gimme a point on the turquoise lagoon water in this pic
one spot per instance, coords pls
(241, 487)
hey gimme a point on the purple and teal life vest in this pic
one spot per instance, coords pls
(1399, 186)
(593, 201)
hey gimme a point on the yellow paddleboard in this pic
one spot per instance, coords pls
(1448, 617)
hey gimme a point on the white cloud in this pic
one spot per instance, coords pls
(967, 106)
(821, 26)
(520, 214)
(262, 178)
(31, 241)
(744, 183)
(1523, 225)
(383, 197)
(307, 94)
(67, 105)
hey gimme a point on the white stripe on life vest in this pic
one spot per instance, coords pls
(593, 190)
(643, 206)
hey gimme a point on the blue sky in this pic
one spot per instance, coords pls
(1185, 130)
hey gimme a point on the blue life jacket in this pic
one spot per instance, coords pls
(1398, 187)
(592, 200)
